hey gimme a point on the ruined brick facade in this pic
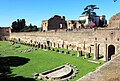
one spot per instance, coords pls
(5, 33)
(115, 21)
(73, 24)
(54, 23)
(58, 22)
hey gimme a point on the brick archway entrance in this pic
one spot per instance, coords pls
(111, 51)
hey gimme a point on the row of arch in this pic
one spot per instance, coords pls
(110, 51)
(109, 48)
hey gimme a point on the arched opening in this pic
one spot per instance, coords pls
(41, 46)
(48, 43)
(111, 51)
(53, 44)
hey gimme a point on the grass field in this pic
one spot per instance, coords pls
(26, 63)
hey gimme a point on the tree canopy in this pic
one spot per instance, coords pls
(114, 0)
(20, 26)
(89, 11)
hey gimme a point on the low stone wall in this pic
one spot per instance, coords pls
(60, 73)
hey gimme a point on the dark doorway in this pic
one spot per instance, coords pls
(111, 51)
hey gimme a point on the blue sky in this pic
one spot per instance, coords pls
(34, 11)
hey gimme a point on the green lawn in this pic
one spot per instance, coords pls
(40, 60)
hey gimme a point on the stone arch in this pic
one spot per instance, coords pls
(19, 39)
(48, 43)
(111, 51)
(4, 39)
(41, 46)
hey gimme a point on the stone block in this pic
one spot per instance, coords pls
(67, 52)
(87, 55)
(48, 48)
(57, 50)
(72, 54)
(61, 51)
(53, 49)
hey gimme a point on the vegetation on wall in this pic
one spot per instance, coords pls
(82, 22)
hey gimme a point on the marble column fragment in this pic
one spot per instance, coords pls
(95, 51)
(105, 55)
(79, 53)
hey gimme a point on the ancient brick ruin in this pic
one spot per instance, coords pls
(5, 33)
(115, 21)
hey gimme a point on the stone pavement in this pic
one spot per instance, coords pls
(110, 71)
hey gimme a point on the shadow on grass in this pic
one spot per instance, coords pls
(5, 70)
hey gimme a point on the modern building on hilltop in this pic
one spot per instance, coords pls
(99, 21)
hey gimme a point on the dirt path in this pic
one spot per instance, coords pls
(110, 71)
